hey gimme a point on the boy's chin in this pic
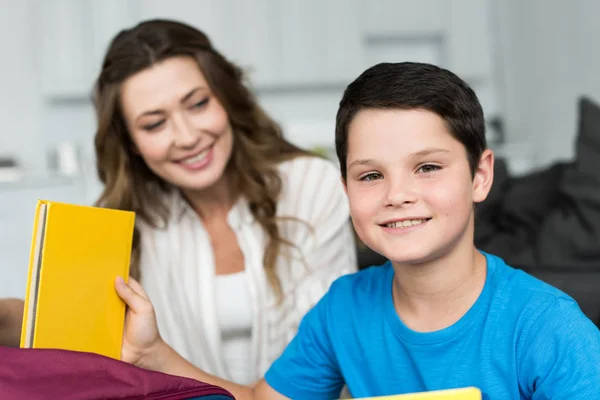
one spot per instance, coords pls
(415, 257)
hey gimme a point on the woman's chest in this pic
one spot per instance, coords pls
(226, 250)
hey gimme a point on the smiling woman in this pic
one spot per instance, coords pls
(238, 232)
(236, 227)
(183, 134)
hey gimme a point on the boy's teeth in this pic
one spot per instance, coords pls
(197, 158)
(405, 224)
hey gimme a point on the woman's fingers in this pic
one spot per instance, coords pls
(138, 288)
(134, 300)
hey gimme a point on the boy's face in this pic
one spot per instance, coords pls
(409, 185)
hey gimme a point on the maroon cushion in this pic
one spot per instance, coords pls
(58, 374)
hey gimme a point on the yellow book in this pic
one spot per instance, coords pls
(76, 254)
(470, 393)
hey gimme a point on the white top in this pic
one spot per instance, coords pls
(235, 323)
(178, 270)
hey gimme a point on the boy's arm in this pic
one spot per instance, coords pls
(11, 318)
(560, 357)
(308, 368)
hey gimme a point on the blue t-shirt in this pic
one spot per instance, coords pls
(522, 339)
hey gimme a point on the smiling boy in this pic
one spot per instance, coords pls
(411, 143)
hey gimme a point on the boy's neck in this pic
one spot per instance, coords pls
(434, 295)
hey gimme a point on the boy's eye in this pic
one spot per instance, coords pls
(428, 168)
(153, 126)
(371, 177)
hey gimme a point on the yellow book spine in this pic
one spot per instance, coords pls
(30, 274)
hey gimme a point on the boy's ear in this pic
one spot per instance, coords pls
(344, 183)
(484, 176)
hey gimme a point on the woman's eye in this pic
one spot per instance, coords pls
(153, 126)
(428, 168)
(371, 177)
(201, 103)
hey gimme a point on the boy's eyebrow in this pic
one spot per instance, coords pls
(428, 151)
(421, 153)
(361, 162)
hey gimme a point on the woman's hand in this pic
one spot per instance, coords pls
(11, 318)
(142, 344)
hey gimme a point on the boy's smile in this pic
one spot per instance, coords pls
(409, 184)
(403, 225)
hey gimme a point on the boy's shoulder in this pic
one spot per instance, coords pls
(521, 285)
(530, 300)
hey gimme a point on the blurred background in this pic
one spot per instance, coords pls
(528, 61)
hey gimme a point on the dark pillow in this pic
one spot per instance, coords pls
(550, 217)
(570, 234)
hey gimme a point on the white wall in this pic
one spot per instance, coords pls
(304, 53)
(549, 56)
(20, 100)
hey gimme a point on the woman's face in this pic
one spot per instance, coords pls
(178, 127)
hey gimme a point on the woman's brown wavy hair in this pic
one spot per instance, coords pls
(258, 145)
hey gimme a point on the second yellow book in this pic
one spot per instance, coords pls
(76, 254)
(469, 393)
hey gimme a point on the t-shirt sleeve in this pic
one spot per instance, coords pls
(560, 357)
(308, 369)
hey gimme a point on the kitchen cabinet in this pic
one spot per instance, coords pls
(297, 53)
(281, 44)
(455, 34)
(72, 36)
(321, 42)
(106, 19)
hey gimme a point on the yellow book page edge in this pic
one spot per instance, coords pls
(37, 242)
(470, 393)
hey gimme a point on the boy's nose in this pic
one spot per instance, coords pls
(399, 192)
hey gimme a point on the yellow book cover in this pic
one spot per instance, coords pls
(469, 393)
(76, 254)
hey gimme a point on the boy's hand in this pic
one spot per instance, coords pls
(142, 343)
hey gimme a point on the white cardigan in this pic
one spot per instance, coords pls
(178, 270)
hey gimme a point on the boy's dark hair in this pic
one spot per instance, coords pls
(407, 86)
